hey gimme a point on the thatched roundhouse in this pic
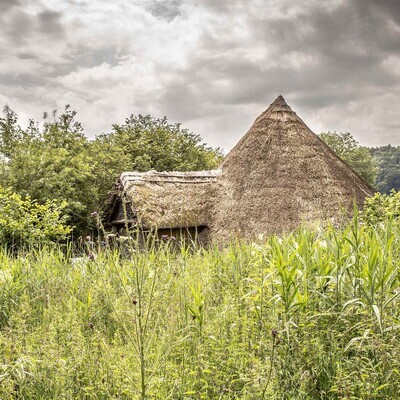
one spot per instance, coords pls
(280, 175)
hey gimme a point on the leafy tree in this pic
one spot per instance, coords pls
(357, 156)
(153, 143)
(388, 161)
(53, 162)
(10, 132)
(109, 161)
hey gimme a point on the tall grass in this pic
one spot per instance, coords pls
(312, 315)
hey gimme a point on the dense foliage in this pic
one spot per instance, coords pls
(381, 207)
(53, 163)
(349, 150)
(25, 223)
(56, 161)
(388, 161)
(149, 143)
(313, 315)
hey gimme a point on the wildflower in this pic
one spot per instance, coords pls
(92, 256)
(94, 214)
(91, 326)
(173, 238)
(274, 333)
(164, 238)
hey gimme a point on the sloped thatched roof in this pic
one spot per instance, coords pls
(164, 199)
(280, 175)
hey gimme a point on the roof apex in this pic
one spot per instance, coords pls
(279, 105)
(280, 100)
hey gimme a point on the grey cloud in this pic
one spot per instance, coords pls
(347, 47)
(348, 53)
(247, 82)
(16, 26)
(336, 33)
(5, 5)
(20, 27)
(175, 102)
(166, 9)
(390, 8)
(50, 23)
(26, 37)
(393, 126)
(23, 80)
(26, 56)
(224, 6)
(89, 56)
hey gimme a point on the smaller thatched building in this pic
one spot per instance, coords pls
(280, 175)
(172, 203)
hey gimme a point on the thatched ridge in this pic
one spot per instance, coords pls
(280, 175)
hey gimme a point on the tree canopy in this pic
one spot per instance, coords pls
(52, 162)
(349, 150)
(153, 143)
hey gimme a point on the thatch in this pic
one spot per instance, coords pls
(281, 175)
(163, 200)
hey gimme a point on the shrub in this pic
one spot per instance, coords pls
(381, 207)
(26, 222)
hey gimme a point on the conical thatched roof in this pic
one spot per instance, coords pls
(281, 175)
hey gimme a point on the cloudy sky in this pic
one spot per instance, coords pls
(213, 65)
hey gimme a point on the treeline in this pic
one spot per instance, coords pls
(387, 159)
(54, 161)
(379, 166)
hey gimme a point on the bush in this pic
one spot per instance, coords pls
(26, 222)
(381, 207)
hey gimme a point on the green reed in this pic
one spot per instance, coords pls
(310, 315)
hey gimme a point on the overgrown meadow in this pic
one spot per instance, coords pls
(313, 315)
